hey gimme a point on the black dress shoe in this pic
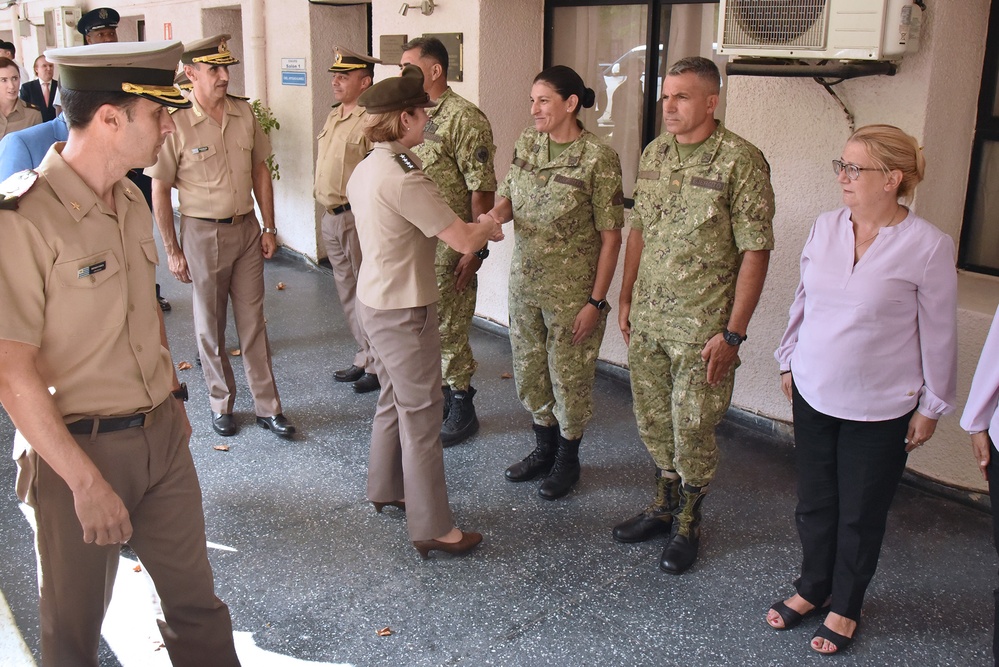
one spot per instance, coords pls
(164, 304)
(278, 424)
(223, 424)
(352, 374)
(367, 382)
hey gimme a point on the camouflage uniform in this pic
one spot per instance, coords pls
(697, 216)
(559, 209)
(457, 154)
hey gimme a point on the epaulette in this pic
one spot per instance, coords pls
(338, 104)
(405, 162)
(31, 105)
(14, 188)
(238, 97)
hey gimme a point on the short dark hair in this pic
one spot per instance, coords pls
(702, 68)
(565, 81)
(430, 47)
(8, 46)
(80, 106)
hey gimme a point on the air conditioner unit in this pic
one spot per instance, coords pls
(819, 29)
(64, 32)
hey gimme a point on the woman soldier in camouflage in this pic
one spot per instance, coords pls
(564, 194)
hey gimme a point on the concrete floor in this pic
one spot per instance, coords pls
(316, 572)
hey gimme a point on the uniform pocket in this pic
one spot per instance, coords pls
(93, 297)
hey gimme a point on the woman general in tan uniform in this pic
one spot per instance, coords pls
(400, 215)
(564, 195)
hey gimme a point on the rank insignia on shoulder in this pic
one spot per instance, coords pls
(405, 162)
(237, 97)
(12, 189)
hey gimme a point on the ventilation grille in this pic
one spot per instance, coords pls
(791, 23)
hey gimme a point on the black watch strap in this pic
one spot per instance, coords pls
(599, 305)
(733, 338)
(181, 392)
(482, 254)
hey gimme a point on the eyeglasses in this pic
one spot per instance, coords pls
(852, 170)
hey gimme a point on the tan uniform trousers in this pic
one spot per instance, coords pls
(225, 262)
(151, 470)
(344, 252)
(407, 459)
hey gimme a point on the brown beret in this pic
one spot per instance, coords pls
(398, 93)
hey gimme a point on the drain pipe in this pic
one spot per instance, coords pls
(256, 46)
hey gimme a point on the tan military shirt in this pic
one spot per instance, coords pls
(697, 216)
(457, 154)
(399, 213)
(77, 281)
(21, 117)
(211, 164)
(341, 146)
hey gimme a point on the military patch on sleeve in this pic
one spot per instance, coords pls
(405, 162)
(14, 188)
(482, 154)
(618, 199)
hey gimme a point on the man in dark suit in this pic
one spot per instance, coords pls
(41, 92)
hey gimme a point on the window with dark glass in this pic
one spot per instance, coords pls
(609, 44)
(980, 233)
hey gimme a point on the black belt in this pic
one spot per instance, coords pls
(107, 424)
(337, 210)
(221, 221)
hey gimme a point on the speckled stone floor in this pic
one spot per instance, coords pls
(316, 572)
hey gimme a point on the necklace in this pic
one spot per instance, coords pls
(871, 238)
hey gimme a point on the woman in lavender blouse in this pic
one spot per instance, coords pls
(869, 363)
(981, 421)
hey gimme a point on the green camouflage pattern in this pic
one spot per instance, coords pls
(457, 154)
(697, 217)
(455, 311)
(559, 209)
(676, 409)
(554, 377)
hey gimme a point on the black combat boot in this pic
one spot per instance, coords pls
(657, 518)
(461, 422)
(681, 552)
(564, 473)
(541, 460)
(446, 390)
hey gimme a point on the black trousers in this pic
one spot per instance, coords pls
(848, 472)
(993, 470)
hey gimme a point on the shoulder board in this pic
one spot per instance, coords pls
(31, 105)
(237, 97)
(336, 105)
(14, 188)
(405, 162)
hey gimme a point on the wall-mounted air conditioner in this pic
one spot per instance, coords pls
(819, 29)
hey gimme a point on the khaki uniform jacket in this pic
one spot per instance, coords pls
(697, 217)
(77, 281)
(399, 212)
(342, 145)
(21, 117)
(211, 165)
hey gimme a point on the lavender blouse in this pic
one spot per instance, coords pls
(868, 342)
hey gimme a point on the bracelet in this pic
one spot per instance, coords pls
(270, 230)
(785, 372)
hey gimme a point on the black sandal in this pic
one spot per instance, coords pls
(841, 642)
(791, 618)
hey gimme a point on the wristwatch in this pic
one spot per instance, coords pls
(733, 338)
(599, 305)
(270, 230)
(181, 392)
(482, 254)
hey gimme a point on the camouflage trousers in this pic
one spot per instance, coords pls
(676, 409)
(554, 377)
(455, 310)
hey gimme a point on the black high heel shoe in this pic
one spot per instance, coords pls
(401, 504)
(467, 542)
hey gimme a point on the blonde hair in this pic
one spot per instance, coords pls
(890, 148)
(386, 126)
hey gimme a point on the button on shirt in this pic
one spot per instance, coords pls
(697, 216)
(342, 146)
(210, 164)
(76, 281)
(399, 213)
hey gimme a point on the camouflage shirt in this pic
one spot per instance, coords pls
(457, 154)
(697, 217)
(559, 209)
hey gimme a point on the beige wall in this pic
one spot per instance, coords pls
(794, 121)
